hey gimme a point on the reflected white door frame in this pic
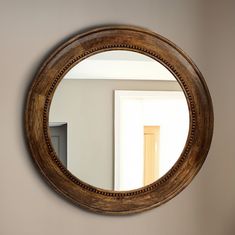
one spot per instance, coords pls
(130, 112)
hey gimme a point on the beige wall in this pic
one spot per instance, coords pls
(30, 29)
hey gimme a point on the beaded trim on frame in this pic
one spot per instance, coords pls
(151, 187)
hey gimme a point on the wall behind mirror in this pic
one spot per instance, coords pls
(195, 27)
(119, 120)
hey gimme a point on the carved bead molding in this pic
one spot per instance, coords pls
(150, 44)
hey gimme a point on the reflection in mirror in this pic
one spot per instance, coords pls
(119, 120)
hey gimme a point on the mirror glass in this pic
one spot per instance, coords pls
(118, 120)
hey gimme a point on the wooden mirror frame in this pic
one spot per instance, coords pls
(150, 44)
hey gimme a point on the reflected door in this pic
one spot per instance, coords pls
(151, 153)
(59, 140)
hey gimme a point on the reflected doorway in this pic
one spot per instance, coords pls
(58, 132)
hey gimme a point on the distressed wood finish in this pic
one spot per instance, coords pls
(119, 38)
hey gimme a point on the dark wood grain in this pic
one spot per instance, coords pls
(119, 38)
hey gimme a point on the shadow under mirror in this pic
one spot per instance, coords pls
(119, 120)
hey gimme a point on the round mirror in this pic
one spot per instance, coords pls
(119, 120)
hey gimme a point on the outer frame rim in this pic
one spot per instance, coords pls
(107, 204)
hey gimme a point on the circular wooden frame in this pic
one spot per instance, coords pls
(119, 38)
